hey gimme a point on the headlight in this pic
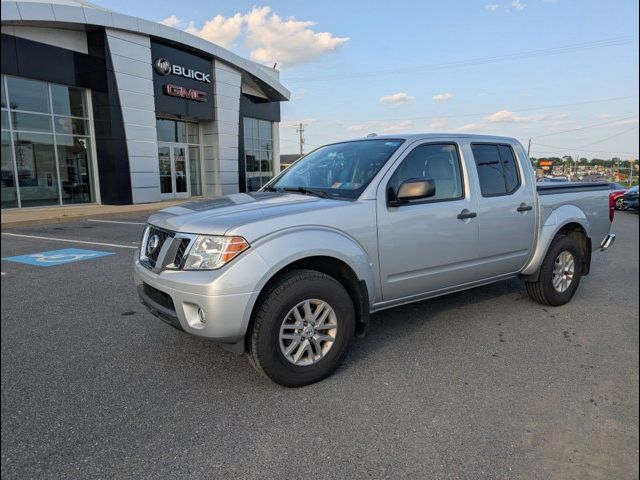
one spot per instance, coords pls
(211, 252)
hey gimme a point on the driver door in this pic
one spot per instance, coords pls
(424, 246)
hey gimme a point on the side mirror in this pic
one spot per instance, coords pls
(413, 189)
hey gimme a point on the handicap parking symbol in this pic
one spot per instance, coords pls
(57, 257)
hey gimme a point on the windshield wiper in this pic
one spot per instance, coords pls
(272, 189)
(305, 190)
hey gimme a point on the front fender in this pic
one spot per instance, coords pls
(287, 246)
(558, 218)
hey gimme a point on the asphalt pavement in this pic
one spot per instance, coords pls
(479, 384)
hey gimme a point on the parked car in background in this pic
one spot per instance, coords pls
(630, 199)
(616, 193)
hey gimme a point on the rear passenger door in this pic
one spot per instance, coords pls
(506, 207)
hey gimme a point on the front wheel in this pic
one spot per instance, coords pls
(559, 274)
(302, 328)
(620, 203)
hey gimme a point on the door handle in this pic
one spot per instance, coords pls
(465, 214)
(524, 208)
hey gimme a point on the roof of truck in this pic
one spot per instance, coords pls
(420, 136)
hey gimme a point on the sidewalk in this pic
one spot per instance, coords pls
(71, 213)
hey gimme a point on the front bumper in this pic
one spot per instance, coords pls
(219, 317)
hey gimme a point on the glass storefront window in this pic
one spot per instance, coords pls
(179, 165)
(71, 126)
(68, 101)
(75, 169)
(31, 122)
(29, 95)
(177, 131)
(258, 152)
(9, 197)
(36, 165)
(195, 176)
(48, 169)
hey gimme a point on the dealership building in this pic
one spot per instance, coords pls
(100, 107)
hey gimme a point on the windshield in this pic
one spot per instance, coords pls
(340, 170)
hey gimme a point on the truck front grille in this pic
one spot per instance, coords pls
(163, 235)
(182, 249)
(177, 247)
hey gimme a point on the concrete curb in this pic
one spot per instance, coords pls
(63, 215)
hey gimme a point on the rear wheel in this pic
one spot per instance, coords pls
(559, 274)
(620, 203)
(302, 328)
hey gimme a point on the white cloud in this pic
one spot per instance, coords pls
(504, 116)
(518, 5)
(220, 30)
(605, 115)
(288, 42)
(443, 97)
(507, 116)
(399, 98)
(626, 123)
(269, 37)
(491, 7)
(171, 21)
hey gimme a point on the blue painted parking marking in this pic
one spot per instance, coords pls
(57, 257)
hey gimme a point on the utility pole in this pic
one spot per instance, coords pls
(529, 148)
(300, 131)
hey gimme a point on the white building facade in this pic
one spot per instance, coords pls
(99, 107)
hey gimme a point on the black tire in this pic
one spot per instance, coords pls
(619, 204)
(543, 291)
(264, 339)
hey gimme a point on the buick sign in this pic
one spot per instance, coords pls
(164, 67)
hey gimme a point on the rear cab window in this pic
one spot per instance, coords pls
(497, 168)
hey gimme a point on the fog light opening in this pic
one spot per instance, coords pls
(201, 316)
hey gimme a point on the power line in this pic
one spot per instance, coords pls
(585, 127)
(608, 42)
(581, 147)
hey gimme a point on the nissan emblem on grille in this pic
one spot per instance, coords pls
(153, 244)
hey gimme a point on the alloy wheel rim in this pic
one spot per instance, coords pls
(308, 332)
(563, 271)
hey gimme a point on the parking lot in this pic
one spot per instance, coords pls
(480, 384)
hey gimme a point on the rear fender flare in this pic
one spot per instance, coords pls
(560, 217)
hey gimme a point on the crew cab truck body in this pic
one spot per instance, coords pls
(291, 273)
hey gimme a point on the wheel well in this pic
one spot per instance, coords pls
(340, 271)
(575, 231)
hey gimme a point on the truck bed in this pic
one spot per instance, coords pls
(552, 188)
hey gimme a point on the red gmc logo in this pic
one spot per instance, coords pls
(183, 92)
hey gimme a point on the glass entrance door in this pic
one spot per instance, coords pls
(173, 162)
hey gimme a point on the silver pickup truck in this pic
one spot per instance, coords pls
(291, 273)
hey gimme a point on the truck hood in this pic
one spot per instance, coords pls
(216, 216)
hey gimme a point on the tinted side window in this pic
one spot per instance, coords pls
(438, 162)
(511, 177)
(497, 169)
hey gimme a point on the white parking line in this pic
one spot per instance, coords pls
(115, 221)
(68, 240)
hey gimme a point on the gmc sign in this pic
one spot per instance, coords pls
(187, 93)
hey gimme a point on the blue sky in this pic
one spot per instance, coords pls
(526, 68)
